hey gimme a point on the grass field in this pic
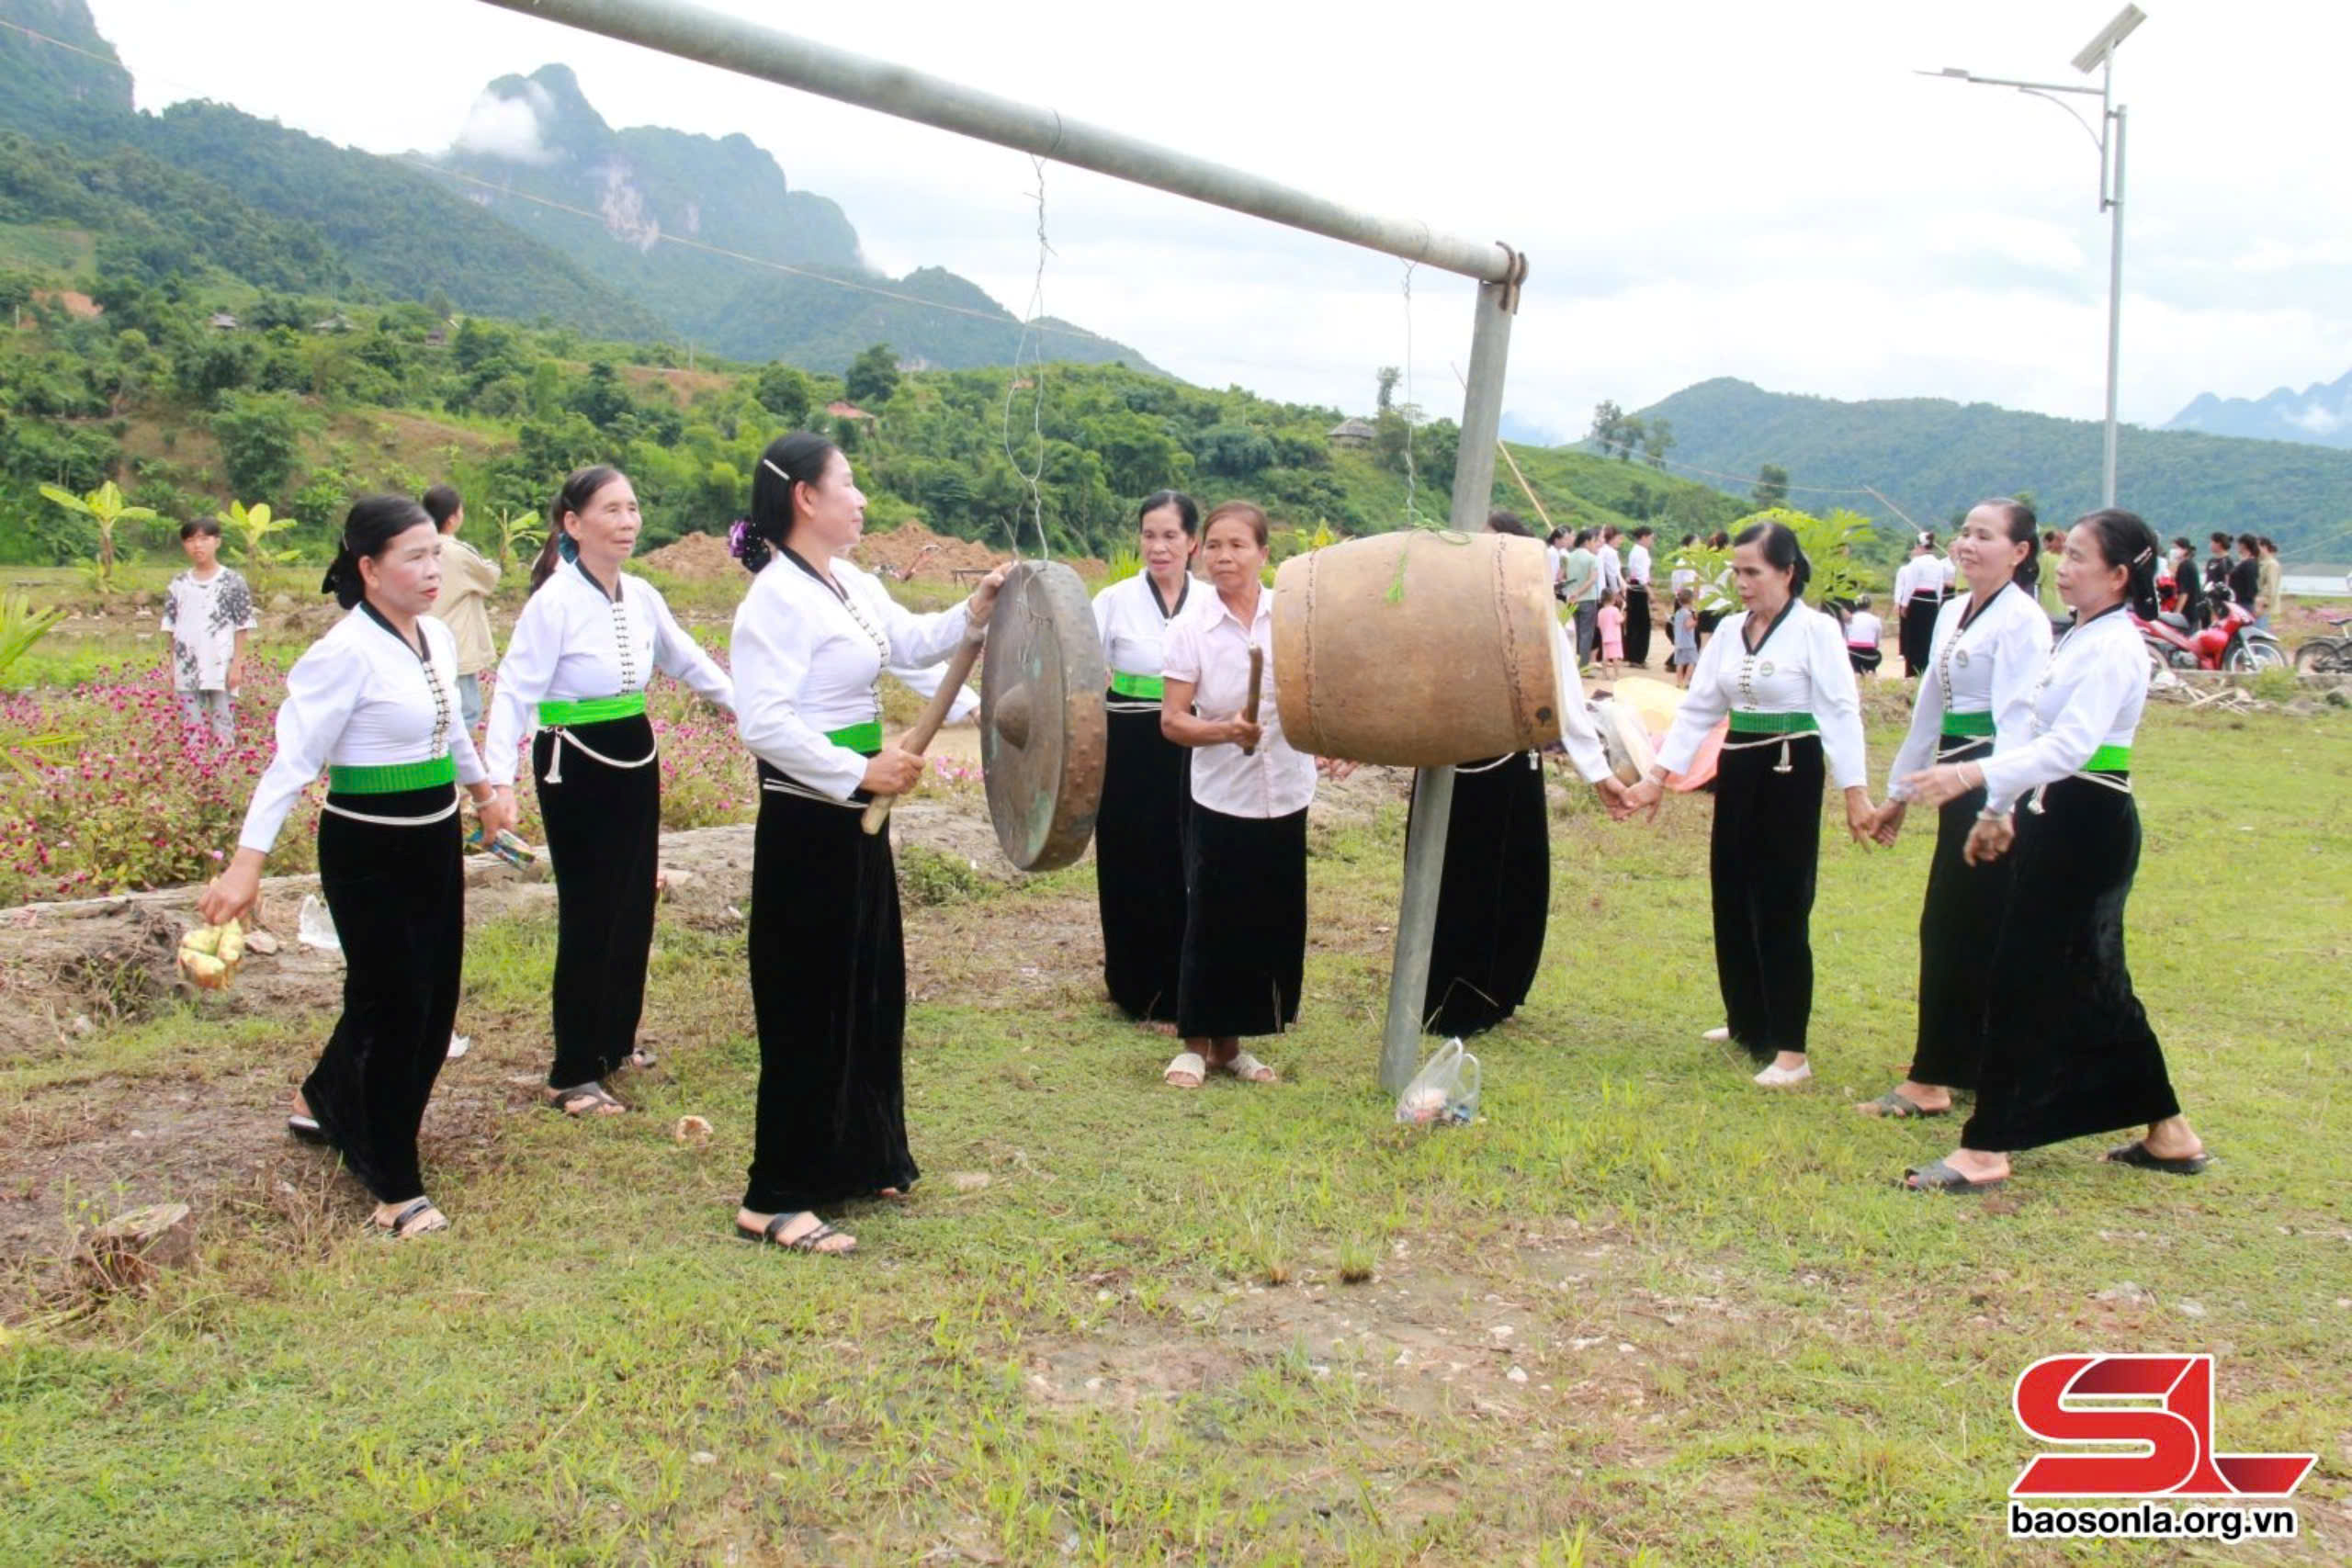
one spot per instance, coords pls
(1642, 1313)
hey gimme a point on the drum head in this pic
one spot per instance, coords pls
(1042, 732)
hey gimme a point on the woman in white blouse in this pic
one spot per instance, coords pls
(1139, 830)
(1778, 668)
(828, 965)
(1245, 837)
(2067, 1046)
(573, 680)
(1990, 646)
(374, 703)
(1918, 593)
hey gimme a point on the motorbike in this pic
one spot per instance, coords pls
(2231, 642)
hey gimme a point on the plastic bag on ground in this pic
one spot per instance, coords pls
(313, 927)
(1445, 1091)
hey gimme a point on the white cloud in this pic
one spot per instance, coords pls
(501, 127)
(1706, 187)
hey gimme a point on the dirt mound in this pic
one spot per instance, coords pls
(906, 545)
(697, 557)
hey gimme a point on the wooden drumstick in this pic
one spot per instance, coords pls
(1257, 684)
(959, 669)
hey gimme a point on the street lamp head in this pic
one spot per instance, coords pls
(2094, 54)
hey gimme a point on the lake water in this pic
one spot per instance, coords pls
(2314, 587)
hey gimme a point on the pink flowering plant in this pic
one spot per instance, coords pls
(137, 800)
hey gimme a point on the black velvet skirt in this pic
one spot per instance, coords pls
(829, 994)
(398, 896)
(1245, 924)
(2068, 1049)
(1958, 923)
(1140, 864)
(1493, 897)
(604, 830)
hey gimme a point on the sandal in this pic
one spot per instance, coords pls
(1249, 1069)
(2137, 1154)
(640, 1060)
(306, 1129)
(584, 1100)
(422, 1213)
(809, 1240)
(1941, 1178)
(1896, 1106)
(1188, 1065)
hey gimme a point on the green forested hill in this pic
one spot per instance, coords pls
(1933, 456)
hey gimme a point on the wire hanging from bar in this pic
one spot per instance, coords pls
(1031, 350)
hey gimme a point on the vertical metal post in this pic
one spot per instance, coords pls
(2114, 299)
(1474, 483)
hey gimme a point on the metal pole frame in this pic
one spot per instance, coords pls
(692, 32)
(2111, 194)
(732, 44)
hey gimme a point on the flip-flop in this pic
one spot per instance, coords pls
(1249, 1069)
(400, 1230)
(640, 1060)
(807, 1241)
(306, 1129)
(1941, 1178)
(583, 1100)
(1189, 1062)
(2136, 1154)
(1896, 1106)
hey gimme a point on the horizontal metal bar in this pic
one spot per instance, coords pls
(695, 32)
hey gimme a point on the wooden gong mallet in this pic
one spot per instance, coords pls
(1257, 686)
(959, 669)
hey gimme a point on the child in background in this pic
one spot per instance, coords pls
(1686, 636)
(1611, 621)
(208, 610)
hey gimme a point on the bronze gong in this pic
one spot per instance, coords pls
(1043, 733)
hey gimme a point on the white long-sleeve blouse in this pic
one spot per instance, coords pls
(361, 696)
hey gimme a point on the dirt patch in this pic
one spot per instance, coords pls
(79, 306)
(684, 386)
(694, 558)
(912, 547)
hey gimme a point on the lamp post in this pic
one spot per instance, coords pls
(2097, 55)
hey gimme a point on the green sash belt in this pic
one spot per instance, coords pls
(391, 778)
(1773, 723)
(1150, 688)
(2109, 759)
(1963, 725)
(592, 710)
(865, 738)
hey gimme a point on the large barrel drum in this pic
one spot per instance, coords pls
(1418, 648)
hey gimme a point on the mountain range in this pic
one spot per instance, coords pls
(1931, 457)
(2320, 413)
(540, 211)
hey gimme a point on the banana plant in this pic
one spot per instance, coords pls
(516, 536)
(21, 626)
(254, 526)
(104, 507)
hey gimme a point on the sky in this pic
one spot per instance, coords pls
(1703, 188)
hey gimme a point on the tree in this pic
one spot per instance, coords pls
(1388, 376)
(786, 392)
(1631, 433)
(104, 507)
(1771, 486)
(1608, 419)
(1658, 442)
(254, 526)
(260, 439)
(871, 377)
